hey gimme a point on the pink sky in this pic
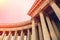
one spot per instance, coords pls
(13, 11)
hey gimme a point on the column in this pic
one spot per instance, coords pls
(10, 35)
(56, 9)
(44, 27)
(56, 30)
(40, 32)
(22, 35)
(3, 35)
(34, 35)
(28, 35)
(16, 35)
(52, 33)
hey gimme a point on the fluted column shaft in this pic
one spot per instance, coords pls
(34, 35)
(52, 33)
(40, 32)
(22, 35)
(56, 9)
(44, 27)
(28, 35)
(56, 30)
(10, 35)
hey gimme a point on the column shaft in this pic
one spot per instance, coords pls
(2, 37)
(28, 35)
(22, 35)
(52, 33)
(44, 27)
(15, 36)
(10, 35)
(34, 35)
(56, 30)
(40, 32)
(56, 9)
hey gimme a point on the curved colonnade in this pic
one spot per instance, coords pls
(42, 28)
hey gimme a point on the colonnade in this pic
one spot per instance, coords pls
(47, 29)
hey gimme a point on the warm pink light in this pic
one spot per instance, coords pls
(13, 11)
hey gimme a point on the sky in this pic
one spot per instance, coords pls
(14, 11)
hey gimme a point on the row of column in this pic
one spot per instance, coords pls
(44, 34)
(16, 35)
